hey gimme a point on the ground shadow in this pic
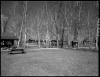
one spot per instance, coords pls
(82, 49)
(17, 53)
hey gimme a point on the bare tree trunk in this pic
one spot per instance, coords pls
(57, 41)
(38, 33)
(79, 5)
(38, 37)
(75, 35)
(5, 26)
(55, 18)
(2, 26)
(39, 19)
(62, 38)
(97, 35)
(48, 37)
(1, 29)
(79, 19)
(68, 32)
(89, 40)
(89, 30)
(57, 35)
(67, 25)
(23, 26)
(68, 38)
(25, 37)
(98, 27)
(20, 36)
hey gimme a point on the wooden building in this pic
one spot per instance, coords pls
(8, 39)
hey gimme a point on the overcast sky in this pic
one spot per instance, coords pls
(32, 5)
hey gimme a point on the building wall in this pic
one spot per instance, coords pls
(7, 43)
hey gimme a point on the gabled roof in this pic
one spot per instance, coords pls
(8, 36)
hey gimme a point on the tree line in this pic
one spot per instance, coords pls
(59, 20)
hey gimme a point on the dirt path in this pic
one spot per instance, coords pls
(50, 62)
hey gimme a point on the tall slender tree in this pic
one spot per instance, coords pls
(97, 34)
(23, 30)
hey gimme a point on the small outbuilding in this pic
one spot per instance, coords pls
(8, 39)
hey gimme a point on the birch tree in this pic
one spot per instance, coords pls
(89, 15)
(58, 27)
(97, 34)
(43, 18)
(39, 19)
(38, 33)
(56, 21)
(67, 15)
(88, 29)
(79, 17)
(76, 19)
(23, 29)
(48, 22)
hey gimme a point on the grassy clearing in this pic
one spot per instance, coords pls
(47, 62)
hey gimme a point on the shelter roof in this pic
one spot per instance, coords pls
(8, 36)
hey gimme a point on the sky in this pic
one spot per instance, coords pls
(32, 5)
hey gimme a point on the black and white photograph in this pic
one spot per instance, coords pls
(50, 38)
